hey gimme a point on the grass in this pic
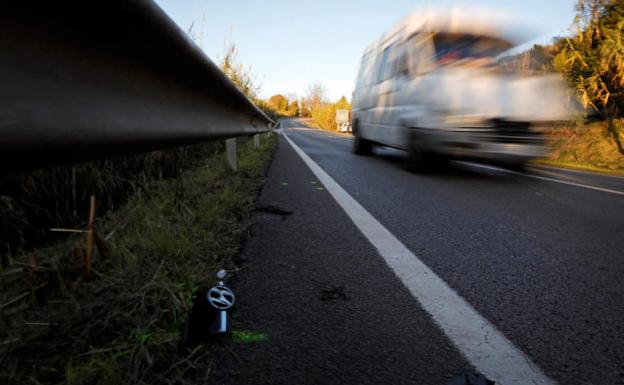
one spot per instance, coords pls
(587, 147)
(123, 324)
(35, 201)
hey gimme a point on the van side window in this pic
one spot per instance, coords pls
(382, 71)
(401, 66)
(362, 72)
(420, 53)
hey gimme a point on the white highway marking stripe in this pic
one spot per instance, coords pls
(325, 133)
(540, 166)
(552, 179)
(487, 349)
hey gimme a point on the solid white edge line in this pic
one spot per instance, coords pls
(602, 189)
(486, 348)
(325, 132)
(543, 167)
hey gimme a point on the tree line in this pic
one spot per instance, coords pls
(314, 104)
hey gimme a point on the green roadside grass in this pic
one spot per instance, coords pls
(123, 323)
(585, 147)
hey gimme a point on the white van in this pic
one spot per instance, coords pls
(430, 86)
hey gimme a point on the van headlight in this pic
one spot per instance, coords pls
(465, 121)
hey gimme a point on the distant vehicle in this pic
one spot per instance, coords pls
(344, 127)
(430, 86)
(343, 120)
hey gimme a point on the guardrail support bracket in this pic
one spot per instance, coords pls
(231, 153)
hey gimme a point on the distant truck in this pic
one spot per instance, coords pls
(430, 86)
(343, 120)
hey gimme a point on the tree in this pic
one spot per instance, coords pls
(593, 60)
(304, 108)
(537, 59)
(315, 95)
(279, 102)
(293, 108)
(343, 104)
(242, 77)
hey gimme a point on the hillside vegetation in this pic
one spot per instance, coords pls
(592, 61)
(586, 146)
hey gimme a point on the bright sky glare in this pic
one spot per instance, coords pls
(291, 44)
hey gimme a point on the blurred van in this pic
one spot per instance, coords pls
(431, 86)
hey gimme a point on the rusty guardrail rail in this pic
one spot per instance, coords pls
(89, 79)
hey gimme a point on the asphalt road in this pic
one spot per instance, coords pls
(540, 256)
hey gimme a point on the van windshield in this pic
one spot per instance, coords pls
(453, 47)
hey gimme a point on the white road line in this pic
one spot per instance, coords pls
(487, 349)
(552, 179)
(325, 133)
(541, 166)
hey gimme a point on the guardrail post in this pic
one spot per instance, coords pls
(257, 141)
(231, 153)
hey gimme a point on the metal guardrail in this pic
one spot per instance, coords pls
(88, 79)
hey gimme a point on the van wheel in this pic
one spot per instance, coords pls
(516, 166)
(361, 146)
(423, 161)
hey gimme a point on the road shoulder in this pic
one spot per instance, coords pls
(331, 310)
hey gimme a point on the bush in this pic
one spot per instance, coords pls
(586, 146)
(324, 115)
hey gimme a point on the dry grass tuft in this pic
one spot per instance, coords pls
(586, 146)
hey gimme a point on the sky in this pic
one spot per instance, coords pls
(291, 44)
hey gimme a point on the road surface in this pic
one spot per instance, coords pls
(382, 276)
